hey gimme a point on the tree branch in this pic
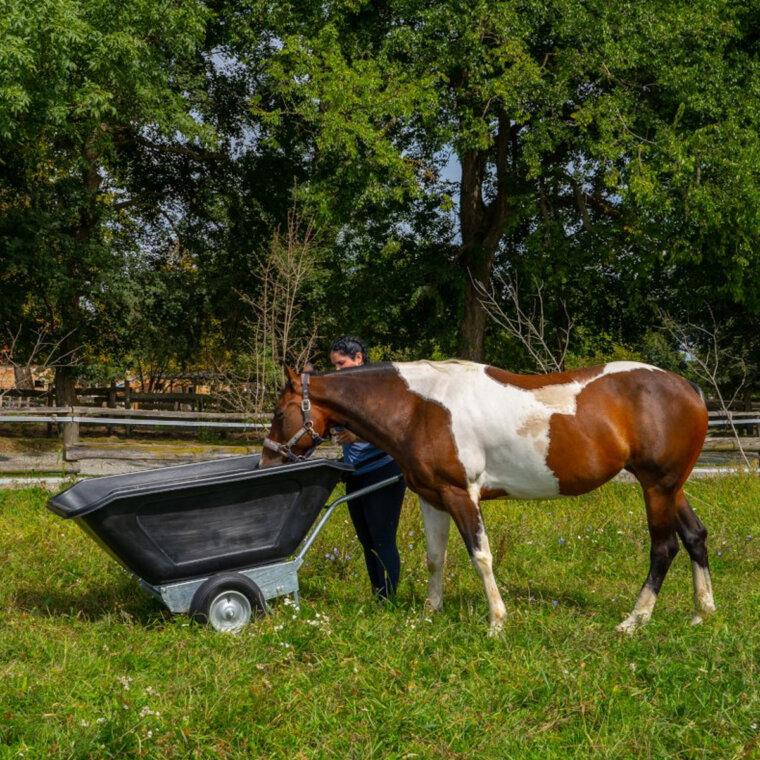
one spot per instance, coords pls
(527, 324)
(178, 150)
(706, 357)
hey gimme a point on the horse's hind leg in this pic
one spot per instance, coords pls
(661, 518)
(436, 524)
(693, 535)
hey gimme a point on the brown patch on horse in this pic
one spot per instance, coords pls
(618, 418)
(493, 493)
(415, 431)
(531, 382)
(429, 449)
(588, 448)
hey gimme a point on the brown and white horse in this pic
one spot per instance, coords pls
(462, 432)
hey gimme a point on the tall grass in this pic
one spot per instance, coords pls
(92, 667)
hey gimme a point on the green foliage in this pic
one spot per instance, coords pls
(151, 150)
(630, 164)
(94, 667)
(87, 83)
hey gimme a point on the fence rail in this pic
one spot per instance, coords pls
(112, 396)
(76, 451)
(87, 415)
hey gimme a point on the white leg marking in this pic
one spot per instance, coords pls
(483, 561)
(437, 525)
(704, 604)
(641, 613)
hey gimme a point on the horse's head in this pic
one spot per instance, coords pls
(298, 426)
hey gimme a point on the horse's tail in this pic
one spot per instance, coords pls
(698, 391)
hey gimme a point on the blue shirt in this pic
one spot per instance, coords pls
(364, 457)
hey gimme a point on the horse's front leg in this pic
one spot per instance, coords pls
(463, 507)
(436, 524)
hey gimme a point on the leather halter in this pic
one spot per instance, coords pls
(286, 449)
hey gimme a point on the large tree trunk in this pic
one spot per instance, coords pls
(477, 265)
(482, 228)
(82, 233)
(65, 386)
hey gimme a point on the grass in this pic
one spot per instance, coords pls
(92, 667)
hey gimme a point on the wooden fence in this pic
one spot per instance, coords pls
(66, 422)
(81, 456)
(114, 397)
(720, 434)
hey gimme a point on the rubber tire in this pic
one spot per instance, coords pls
(207, 596)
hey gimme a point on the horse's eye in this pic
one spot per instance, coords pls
(279, 414)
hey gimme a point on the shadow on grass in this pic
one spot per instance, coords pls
(92, 605)
(549, 595)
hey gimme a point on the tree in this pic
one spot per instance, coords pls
(85, 86)
(596, 138)
(607, 151)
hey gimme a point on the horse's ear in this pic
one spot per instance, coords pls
(294, 379)
(308, 368)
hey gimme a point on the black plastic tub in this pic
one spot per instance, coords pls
(177, 523)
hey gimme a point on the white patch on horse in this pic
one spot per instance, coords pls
(614, 367)
(436, 525)
(559, 398)
(501, 431)
(641, 613)
(482, 559)
(704, 604)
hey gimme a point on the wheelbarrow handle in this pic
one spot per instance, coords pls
(330, 508)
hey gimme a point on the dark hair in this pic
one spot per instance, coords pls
(350, 345)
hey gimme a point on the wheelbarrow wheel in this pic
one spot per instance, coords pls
(227, 602)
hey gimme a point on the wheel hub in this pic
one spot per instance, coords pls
(229, 611)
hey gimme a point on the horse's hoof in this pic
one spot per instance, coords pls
(703, 609)
(630, 625)
(496, 629)
(433, 606)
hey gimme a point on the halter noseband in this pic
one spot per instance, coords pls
(286, 449)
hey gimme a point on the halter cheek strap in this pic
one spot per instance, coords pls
(286, 449)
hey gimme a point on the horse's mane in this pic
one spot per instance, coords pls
(439, 366)
(352, 370)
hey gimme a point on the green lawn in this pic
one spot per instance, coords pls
(92, 667)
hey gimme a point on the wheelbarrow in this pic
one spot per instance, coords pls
(215, 539)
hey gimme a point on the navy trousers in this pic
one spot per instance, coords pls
(375, 517)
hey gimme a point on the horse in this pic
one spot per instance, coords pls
(462, 432)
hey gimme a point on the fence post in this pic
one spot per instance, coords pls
(111, 403)
(127, 404)
(70, 438)
(50, 402)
